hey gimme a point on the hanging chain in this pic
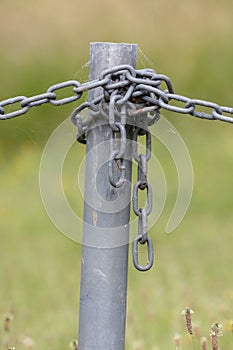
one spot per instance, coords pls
(142, 184)
(128, 96)
(118, 133)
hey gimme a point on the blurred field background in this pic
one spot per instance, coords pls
(46, 42)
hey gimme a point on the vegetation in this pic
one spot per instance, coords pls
(48, 42)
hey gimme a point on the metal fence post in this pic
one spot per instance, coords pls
(104, 265)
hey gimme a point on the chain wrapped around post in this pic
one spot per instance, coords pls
(129, 96)
(144, 84)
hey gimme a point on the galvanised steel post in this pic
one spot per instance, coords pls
(104, 265)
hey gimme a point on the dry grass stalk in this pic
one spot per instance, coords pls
(8, 318)
(187, 312)
(6, 342)
(215, 333)
(203, 343)
(74, 344)
(214, 339)
(177, 341)
(196, 331)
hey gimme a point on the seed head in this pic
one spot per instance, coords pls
(216, 329)
(215, 332)
(187, 312)
(8, 318)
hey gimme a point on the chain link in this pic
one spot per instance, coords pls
(143, 84)
(129, 96)
(143, 212)
(117, 156)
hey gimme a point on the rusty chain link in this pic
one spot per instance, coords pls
(128, 96)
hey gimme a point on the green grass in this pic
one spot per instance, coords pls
(40, 268)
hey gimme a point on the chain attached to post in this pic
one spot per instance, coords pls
(118, 132)
(129, 96)
(142, 84)
(117, 156)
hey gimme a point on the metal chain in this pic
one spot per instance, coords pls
(144, 84)
(129, 96)
(142, 213)
(117, 156)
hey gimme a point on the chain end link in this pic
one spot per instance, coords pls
(150, 254)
